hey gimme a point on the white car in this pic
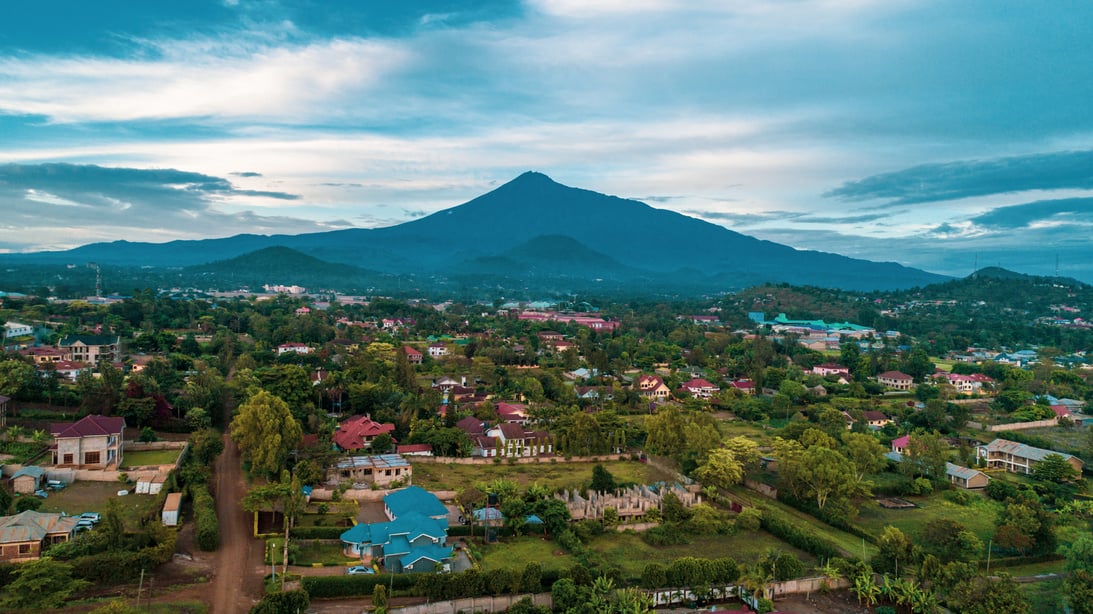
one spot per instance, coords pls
(358, 569)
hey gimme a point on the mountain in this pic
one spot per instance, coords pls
(534, 229)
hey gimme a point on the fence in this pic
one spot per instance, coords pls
(476, 604)
(517, 460)
(1019, 426)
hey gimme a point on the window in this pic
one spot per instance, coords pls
(91, 458)
(24, 548)
(67, 459)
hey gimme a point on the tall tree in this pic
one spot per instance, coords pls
(266, 432)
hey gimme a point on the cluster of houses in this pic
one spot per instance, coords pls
(999, 454)
(74, 354)
(413, 539)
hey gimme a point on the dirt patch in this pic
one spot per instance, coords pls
(893, 503)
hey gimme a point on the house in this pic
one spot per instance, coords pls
(15, 329)
(438, 350)
(28, 479)
(471, 426)
(171, 507)
(92, 442)
(896, 380)
(413, 356)
(699, 388)
(358, 432)
(414, 539)
(744, 386)
(964, 384)
(379, 471)
(91, 348)
(876, 419)
(298, 348)
(67, 369)
(830, 368)
(513, 412)
(43, 354)
(515, 441)
(963, 477)
(1018, 457)
(899, 444)
(25, 535)
(652, 387)
(415, 449)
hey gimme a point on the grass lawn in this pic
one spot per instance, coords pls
(308, 552)
(1070, 438)
(978, 516)
(630, 554)
(79, 497)
(515, 553)
(144, 458)
(554, 476)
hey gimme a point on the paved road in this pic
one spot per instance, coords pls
(237, 579)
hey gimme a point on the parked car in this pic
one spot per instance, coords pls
(92, 517)
(41, 493)
(359, 569)
(83, 525)
(55, 484)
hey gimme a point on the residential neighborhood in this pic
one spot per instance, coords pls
(416, 443)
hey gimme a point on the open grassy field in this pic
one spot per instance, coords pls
(1046, 597)
(515, 553)
(308, 552)
(628, 553)
(79, 497)
(552, 475)
(978, 516)
(143, 458)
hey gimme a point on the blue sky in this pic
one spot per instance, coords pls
(940, 135)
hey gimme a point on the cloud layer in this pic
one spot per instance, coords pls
(842, 126)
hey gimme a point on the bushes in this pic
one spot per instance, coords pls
(782, 528)
(326, 587)
(206, 524)
(116, 566)
(288, 601)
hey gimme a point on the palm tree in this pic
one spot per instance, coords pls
(831, 575)
(756, 580)
(13, 433)
(924, 601)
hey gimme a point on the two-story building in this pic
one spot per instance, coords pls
(92, 442)
(1018, 457)
(414, 539)
(91, 349)
(358, 432)
(896, 380)
(652, 387)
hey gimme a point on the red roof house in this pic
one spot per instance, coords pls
(358, 432)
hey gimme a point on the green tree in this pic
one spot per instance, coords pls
(1055, 468)
(1079, 554)
(602, 480)
(379, 599)
(949, 541)
(15, 376)
(721, 469)
(40, 585)
(266, 432)
(1079, 592)
(865, 452)
(895, 551)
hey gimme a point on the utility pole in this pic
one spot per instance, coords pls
(140, 586)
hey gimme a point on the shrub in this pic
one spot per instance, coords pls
(288, 601)
(782, 528)
(27, 503)
(325, 587)
(206, 524)
(749, 519)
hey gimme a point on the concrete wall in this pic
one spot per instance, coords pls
(478, 604)
(1020, 426)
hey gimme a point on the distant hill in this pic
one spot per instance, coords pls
(281, 265)
(531, 229)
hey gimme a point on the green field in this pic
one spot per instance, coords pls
(979, 516)
(1046, 597)
(517, 552)
(144, 458)
(309, 552)
(552, 475)
(628, 553)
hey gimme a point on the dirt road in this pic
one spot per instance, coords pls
(237, 579)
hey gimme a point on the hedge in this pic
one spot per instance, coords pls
(784, 529)
(1016, 561)
(206, 524)
(327, 587)
(317, 532)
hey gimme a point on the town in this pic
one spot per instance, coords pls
(776, 449)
